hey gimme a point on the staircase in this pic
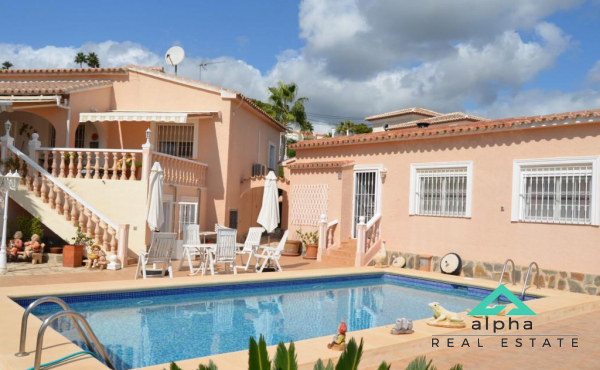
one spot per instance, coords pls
(342, 255)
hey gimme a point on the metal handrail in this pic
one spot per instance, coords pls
(537, 278)
(30, 308)
(73, 315)
(512, 274)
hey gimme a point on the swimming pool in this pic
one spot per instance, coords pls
(144, 328)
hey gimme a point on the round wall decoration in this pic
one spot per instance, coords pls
(94, 137)
(451, 264)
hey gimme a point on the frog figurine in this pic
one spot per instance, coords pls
(444, 318)
(15, 246)
(339, 340)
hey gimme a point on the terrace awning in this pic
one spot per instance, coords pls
(134, 117)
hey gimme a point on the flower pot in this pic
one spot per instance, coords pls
(311, 251)
(55, 250)
(292, 248)
(72, 255)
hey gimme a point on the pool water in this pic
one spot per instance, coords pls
(146, 328)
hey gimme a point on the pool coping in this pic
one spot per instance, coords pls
(379, 344)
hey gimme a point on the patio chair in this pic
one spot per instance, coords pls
(270, 254)
(159, 252)
(250, 246)
(224, 251)
(191, 241)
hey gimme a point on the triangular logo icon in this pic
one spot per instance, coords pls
(483, 310)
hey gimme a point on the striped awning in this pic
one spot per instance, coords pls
(134, 117)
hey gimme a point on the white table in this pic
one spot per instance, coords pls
(200, 250)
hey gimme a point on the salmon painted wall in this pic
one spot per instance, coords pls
(489, 235)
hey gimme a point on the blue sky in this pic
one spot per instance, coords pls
(351, 58)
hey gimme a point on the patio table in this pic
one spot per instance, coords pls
(202, 249)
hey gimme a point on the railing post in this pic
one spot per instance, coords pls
(322, 224)
(118, 257)
(5, 141)
(146, 157)
(361, 232)
(34, 145)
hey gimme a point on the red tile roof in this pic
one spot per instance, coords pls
(444, 118)
(48, 87)
(405, 111)
(64, 71)
(441, 131)
(330, 164)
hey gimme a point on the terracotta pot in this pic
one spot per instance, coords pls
(292, 248)
(72, 255)
(55, 250)
(311, 251)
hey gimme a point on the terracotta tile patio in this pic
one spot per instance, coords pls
(27, 274)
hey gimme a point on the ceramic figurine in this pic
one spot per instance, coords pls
(101, 262)
(381, 257)
(339, 340)
(444, 318)
(15, 246)
(399, 261)
(31, 247)
(93, 255)
(403, 326)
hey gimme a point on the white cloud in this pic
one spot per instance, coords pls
(367, 57)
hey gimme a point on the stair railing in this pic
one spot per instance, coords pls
(368, 239)
(326, 235)
(43, 185)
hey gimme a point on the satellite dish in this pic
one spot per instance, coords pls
(174, 56)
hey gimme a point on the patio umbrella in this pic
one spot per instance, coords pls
(155, 216)
(269, 211)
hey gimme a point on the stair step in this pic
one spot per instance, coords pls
(347, 253)
(132, 261)
(338, 261)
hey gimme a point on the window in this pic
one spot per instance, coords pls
(272, 155)
(556, 191)
(80, 136)
(367, 194)
(52, 137)
(441, 189)
(187, 214)
(176, 140)
(233, 218)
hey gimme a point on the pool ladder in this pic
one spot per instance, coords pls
(65, 312)
(512, 275)
(537, 278)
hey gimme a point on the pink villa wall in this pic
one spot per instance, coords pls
(489, 235)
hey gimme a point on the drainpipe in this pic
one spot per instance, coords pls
(66, 106)
(173, 210)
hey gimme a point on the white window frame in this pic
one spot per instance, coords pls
(517, 185)
(378, 189)
(415, 167)
(274, 158)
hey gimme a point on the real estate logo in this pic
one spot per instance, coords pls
(482, 309)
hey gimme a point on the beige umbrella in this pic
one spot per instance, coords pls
(155, 216)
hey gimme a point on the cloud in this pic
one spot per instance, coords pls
(367, 57)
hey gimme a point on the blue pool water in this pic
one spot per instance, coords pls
(145, 328)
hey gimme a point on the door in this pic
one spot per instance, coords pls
(187, 214)
(366, 196)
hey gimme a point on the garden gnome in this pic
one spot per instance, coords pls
(15, 245)
(339, 340)
(93, 256)
(31, 247)
(101, 262)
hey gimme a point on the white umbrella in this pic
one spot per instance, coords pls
(269, 212)
(155, 216)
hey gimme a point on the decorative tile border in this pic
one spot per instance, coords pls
(575, 282)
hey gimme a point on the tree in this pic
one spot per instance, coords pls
(353, 128)
(287, 108)
(80, 58)
(92, 60)
(7, 65)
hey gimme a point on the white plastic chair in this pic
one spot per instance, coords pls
(159, 252)
(250, 246)
(224, 251)
(191, 250)
(271, 254)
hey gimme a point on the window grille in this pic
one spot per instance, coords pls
(272, 156)
(366, 187)
(233, 218)
(52, 137)
(187, 214)
(442, 192)
(80, 136)
(176, 140)
(557, 194)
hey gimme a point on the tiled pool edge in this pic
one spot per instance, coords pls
(378, 341)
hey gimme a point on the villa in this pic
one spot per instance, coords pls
(425, 184)
(96, 132)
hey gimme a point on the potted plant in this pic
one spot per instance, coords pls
(73, 254)
(311, 243)
(292, 248)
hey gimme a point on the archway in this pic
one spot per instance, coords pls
(24, 124)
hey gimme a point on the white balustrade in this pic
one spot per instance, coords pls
(326, 235)
(181, 171)
(368, 237)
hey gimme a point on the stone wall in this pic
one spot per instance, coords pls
(552, 279)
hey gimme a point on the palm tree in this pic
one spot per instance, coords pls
(7, 65)
(345, 127)
(92, 60)
(287, 108)
(80, 58)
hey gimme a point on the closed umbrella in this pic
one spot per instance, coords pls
(269, 211)
(155, 216)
